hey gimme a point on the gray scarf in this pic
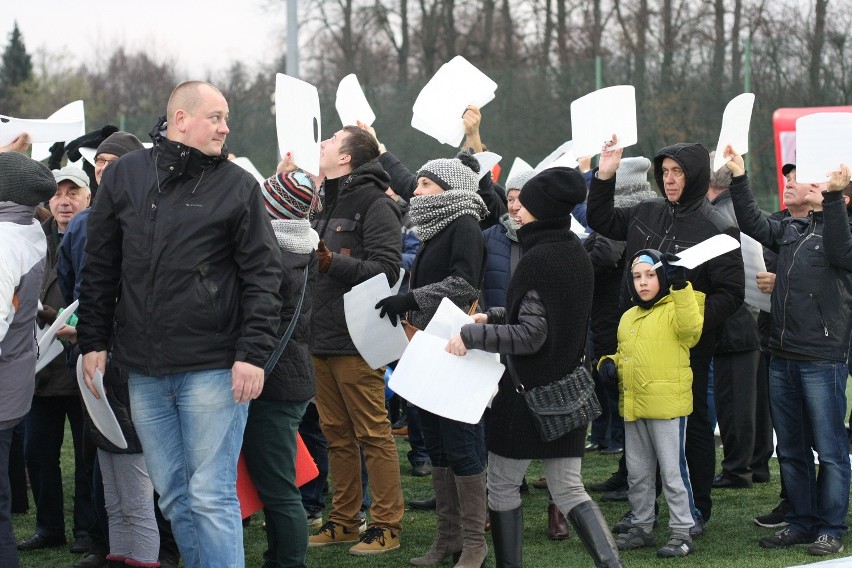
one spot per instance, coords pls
(295, 235)
(432, 213)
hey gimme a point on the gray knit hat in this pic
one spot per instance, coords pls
(24, 181)
(631, 182)
(459, 173)
(519, 180)
(119, 143)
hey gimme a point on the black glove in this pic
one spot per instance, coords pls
(91, 139)
(676, 275)
(607, 372)
(396, 305)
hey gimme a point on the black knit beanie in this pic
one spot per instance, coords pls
(24, 181)
(118, 144)
(553, 193)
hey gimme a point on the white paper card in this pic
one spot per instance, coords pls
(577, 228)
(99, 409)
(72, 112)
(822, 144)
(705, 250)
(49, 131)
(61, 320)
(441, 103)
(753, 263)
(246, 164)
(519, 166)
(487, 160)
(564, 154)
(596, 116)
(378, 341)
(458, 388)
(735, 125)
(297, 121)
(89, 154)
(53, 351)
(351, 103)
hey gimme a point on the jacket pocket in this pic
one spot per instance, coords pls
(343, 237)
(211, 295)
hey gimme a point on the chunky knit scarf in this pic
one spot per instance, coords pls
(295, 235)
(432, 213)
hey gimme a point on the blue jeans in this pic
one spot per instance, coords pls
(417, 454)
(191, 430)
(808, 403)
(8, 548)
(457, 445)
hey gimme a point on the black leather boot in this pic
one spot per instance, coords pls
(590, 525)
(507, 534)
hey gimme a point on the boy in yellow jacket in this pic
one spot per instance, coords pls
(655, 395)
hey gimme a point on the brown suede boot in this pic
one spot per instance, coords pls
(448, 534)
(557, 526)
(471, 490)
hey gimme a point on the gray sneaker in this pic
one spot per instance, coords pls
(625, 523)
(636, 537)
(676, 547)
(826, 545)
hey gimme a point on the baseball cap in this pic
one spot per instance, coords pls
(73, 174)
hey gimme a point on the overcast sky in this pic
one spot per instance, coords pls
(198, 35)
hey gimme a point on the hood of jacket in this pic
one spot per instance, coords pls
(694, 159)
(371, 172)
(174, 159)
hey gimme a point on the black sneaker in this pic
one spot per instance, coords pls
(636, 537)
(785, 537)
(617, 495)
(698, 529)
(421, 469)
(826, 545)
(775, 518)
(614, 483)
(676, 547)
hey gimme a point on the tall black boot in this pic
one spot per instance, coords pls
(507, 534)
(591, 528)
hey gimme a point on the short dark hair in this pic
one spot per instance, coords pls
(847, 192)
(360, 145)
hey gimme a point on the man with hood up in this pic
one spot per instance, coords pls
(681, 219)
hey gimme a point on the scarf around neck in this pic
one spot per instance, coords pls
(432, 213)
(295, 235)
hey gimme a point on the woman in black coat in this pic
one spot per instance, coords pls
(542, 335)
(446, 211)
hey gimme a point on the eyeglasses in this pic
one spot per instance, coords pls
(101, 162)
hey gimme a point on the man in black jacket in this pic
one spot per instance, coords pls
(680, 220)
(359, 226)
(809, 341)
(180, 237)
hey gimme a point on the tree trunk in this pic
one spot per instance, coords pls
(816, 47)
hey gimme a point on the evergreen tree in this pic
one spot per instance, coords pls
(17, 68)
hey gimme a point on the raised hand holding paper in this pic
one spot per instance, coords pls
(297, 121)
(822, 143)
(48, 131)
(351, 104)
(735, 125)
(716, 245)
(441, 103)
(487, 160)
(596, 116)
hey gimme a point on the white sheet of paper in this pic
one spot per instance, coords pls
(52, 352)
(351, 103)
(716, 245)
(72, 112)
(519, 166)
(441, 103)
(61, 320)
(40, 130)
(596, 116)
(458, 388)
(447, 320)
(822, 144)
(99, 409)
(564, 154)
(735, 125)
(376, 339)
(487, 160)
(753, 263)
(89, 154)
(297, 121)
(577, 228)
(246, 164)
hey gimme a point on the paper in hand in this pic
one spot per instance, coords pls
(297, 121)
(735, 126)
(597, 116)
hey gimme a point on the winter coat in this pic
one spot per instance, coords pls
(672, 227)
(654, 376)
(72, 256)
(607, 258)
(360, 224)
(183, 241)
(553, 262)
(812, 299)
(23, 249)
(498, 265)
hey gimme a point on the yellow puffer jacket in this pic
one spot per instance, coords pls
(654, 376)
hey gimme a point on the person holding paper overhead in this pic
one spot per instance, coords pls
(446, 211)
(180, 236)
(680, 220)
(811, 323)
(542, 335)
(359, 228)
(24, 183)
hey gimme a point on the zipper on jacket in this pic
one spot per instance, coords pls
(152, 218)
(787, 291)
(819, 311)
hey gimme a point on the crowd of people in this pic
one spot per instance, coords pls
(212, 306)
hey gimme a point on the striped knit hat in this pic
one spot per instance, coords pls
(288, 195)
